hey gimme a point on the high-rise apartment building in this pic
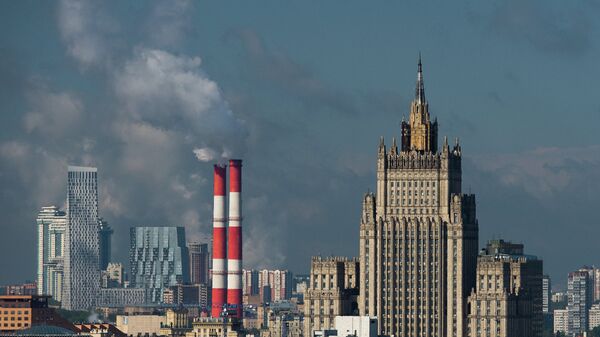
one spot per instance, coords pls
(104, 234)
(52, 225)
(579, 292)
(418, 233)
(81, 283)
(332, 292)
(507, 300)
(249, 282)
(546, 294)
(158, 258)
(277, 282)
(199, 262)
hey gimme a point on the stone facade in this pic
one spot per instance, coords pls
(507, 300)
(332, 291)
(418, 234)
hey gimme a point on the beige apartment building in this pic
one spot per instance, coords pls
(507, 301)
(332, 291)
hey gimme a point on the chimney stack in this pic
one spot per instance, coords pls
(234, 251)
(219, 257)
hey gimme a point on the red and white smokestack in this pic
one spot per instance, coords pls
(234, 251)
(219, 273)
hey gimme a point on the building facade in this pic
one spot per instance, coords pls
(105, 235)
(507, 300)
(546, 294)
(113, 276)
(561, 321)
(418, 234)
(158, 258)
(121, 297)
(51, 225)
(249, 282)
(332, 292)
(82, 253)
(594, 316)
(199, 262)
(278, 284)
(18, 312)
(579, 294)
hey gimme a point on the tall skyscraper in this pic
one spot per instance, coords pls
(332, 292)
(507, 300)
(158, 258)
(52, 225)
(105, 234)
(81, 284)
(199, 262)
(418, 233)
(579, 292)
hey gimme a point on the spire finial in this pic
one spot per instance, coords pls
(420, 89)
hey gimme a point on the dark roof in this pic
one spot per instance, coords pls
(44, 329)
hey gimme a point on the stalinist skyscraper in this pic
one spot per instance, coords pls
(418, 234)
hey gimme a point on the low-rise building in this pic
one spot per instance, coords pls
(140, 324)
(18, 312)
(214, 327)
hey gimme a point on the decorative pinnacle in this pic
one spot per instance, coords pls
(420, 89)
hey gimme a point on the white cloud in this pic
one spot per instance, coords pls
(52, 114)
(84, 29)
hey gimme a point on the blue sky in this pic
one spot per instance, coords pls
(302, 91)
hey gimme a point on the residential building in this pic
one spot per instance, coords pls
(122, 297)
(104, 233)
(561, 321)
(418, 233)
(134, 325)
(187, 294)
(278, 284)
(177, 322)
(199, 262)
(559, 296)
(51, 228)
(18, 312)
(507, 300)
(546, 294)
(158, 258)
(579, 292)
(594, 316)
(333, 291)
(250, 282)
(29, 288)
(81, 280)
(214, 327)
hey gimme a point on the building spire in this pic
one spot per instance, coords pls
(420, 89)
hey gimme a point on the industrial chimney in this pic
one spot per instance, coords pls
(219, 272)
(234, 251)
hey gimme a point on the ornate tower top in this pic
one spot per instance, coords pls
(420, 89)
(420, 133)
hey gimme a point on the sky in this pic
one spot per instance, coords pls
(153, 93)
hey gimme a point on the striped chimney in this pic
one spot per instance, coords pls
(234, 251)
(219, 272)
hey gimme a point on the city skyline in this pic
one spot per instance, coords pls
(531, 154)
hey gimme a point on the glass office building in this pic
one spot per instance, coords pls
(158, 258)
